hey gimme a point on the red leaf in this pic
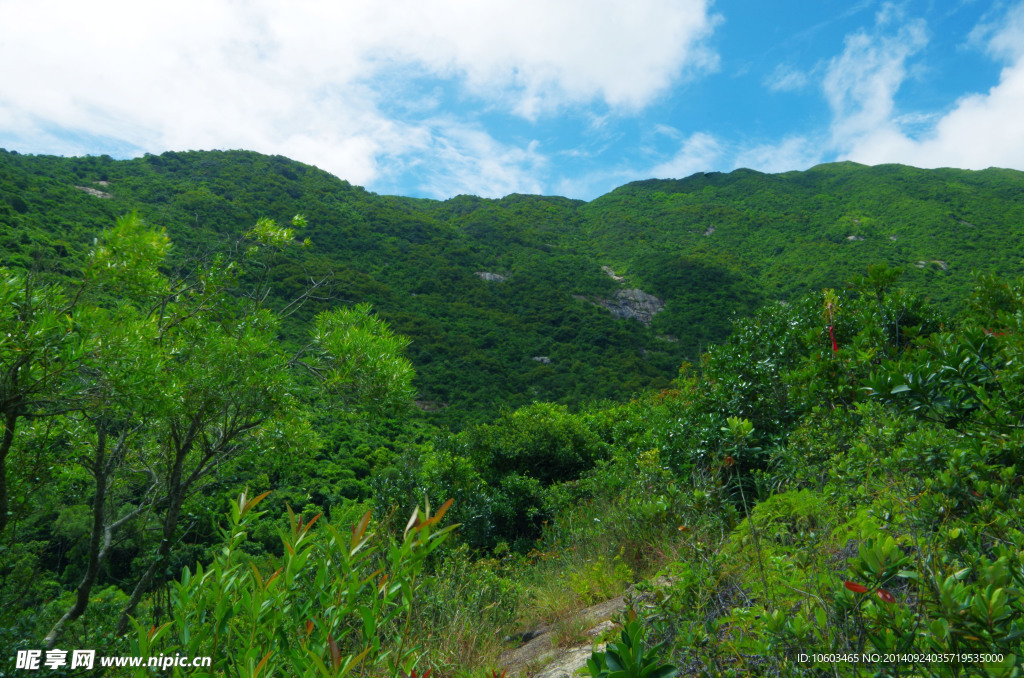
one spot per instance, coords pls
(885, 595)
(310, 523)
(855, 587)
(335, 652)
(832, 334)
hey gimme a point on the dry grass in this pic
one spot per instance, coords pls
(569, 632)
(464, 647)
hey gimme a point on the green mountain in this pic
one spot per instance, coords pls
(802, 231)
(839, 478)
(514, 300)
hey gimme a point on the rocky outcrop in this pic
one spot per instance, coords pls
(492, 277)
(562, 662)
(611, 274)
(94, 191)
(430, 405)
(633, 303)
(628, 302)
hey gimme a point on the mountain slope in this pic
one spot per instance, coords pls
(801, 231)
(512, 300)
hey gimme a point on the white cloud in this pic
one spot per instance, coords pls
(1001, 35)
(316, 80)
(981, 129)
(861, 83)
(792, 153)
(786, 79)
(698, 153)
(451, 157)
(597, 182)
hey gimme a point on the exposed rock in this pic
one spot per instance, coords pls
(493, 277)
(94, 191)
(430, 405)
(671, 338)
(525, 637)
(605, 627)
(940, 263)
(854, 237)
(628, 302)
(611, 274)
(542, 359)
(893, 238)
(538, 648)
(568, 664)
(633, 303)
(709, 231)
(556, 662)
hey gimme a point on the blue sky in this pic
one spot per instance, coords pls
(432, 98)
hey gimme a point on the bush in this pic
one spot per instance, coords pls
(333, 602)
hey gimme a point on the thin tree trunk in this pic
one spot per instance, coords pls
(102, 534)
(175, 497)
(95, 536)
(10, 420)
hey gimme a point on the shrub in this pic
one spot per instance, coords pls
(332, 602)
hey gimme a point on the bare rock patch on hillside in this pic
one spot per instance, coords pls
(633, 303)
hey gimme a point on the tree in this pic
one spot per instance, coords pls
(38, 348)
(186, 375)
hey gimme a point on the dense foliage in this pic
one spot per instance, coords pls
(840, 476)
(131, 398)
(710, 246)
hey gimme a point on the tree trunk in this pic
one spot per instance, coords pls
(95, 536)
(10, 420)
(175, 497)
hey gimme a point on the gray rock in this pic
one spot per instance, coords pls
(633, 303)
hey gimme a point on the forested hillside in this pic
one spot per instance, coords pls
(540, 326)
(802, 231)
(208, 447)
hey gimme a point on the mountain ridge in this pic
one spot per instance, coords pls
(712, 246)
